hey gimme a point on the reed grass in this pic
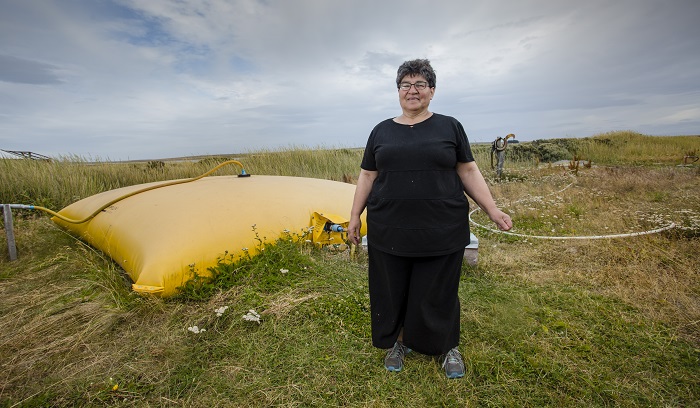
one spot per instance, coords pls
(62, 181)
(594, 323)
(329, 164)
(633, 148)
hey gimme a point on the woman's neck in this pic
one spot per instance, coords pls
(410, 118)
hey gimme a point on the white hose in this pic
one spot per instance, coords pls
(631, 234)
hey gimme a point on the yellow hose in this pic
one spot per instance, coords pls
(133, 193)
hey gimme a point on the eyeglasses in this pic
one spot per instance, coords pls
(420, 85)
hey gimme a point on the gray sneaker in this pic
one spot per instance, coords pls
(394, 357)
(452, 364)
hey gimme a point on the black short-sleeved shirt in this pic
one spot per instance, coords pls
(417, 205)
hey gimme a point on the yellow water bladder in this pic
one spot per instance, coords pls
(162, 235)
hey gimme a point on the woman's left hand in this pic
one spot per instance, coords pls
(502, 220)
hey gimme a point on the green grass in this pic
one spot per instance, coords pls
(596, 323)
(525, 344)
(612, 148)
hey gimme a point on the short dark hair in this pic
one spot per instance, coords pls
(416, 67)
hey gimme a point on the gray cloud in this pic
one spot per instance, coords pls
(23, 71)
(170, 78)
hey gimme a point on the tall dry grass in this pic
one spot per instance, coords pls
(632, 148)
(57, 183)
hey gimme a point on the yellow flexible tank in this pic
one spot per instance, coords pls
(162, 235)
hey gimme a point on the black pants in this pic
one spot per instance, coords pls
(418, 294)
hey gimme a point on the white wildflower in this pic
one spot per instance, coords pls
(220, 311)
(284, 270)
(196, 330)
(252, 316)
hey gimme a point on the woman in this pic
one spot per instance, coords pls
(414, 173)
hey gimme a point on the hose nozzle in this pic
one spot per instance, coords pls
(333, 228)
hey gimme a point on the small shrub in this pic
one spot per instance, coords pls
(551, 152)
(155, 165)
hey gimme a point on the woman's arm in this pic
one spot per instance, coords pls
(475, 186)
(359, 202)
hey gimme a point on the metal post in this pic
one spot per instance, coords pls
(9, 231)
(501, 156)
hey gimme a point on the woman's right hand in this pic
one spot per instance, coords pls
(359, 201)
(354, 227)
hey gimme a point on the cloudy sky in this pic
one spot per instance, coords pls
(149, 79)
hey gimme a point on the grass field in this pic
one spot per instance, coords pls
(545, 322)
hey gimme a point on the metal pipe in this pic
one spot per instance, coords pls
(9, 231)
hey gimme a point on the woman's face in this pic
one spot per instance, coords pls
(414, 100)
